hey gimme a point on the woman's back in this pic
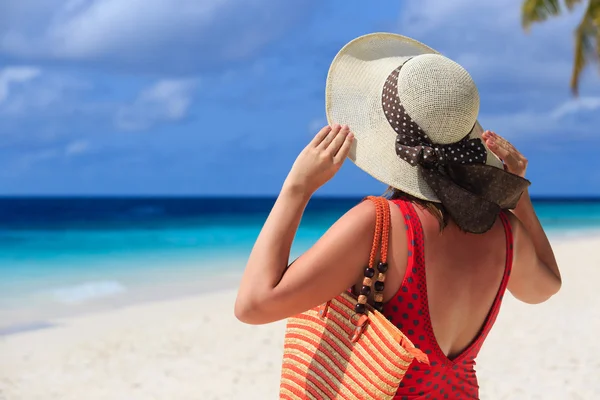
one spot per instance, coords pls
(463, 273)
(444, 294)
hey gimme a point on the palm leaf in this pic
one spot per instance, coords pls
(587, 34)
(571, 3)
(587, 42)
(538, 10)
(595, 16)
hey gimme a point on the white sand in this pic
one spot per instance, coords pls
(193, 348)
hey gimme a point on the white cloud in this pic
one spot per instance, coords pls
(27, 92)
(145, 34)
(28, 160)
(315, 125)
(166, 100)
(40, 154)
(560, 119)
(574, 106)
(77, 147)
(57, 95)
(15, 75)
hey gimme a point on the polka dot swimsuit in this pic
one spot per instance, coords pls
(445, 378)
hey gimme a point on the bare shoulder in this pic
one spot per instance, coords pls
(523, 248)
(361, 219)
(515, 223)
(361, 215)
(521, 238)
(347, 242)
(351, 234)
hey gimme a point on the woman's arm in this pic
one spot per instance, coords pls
(331, 266)
(535, 275)
(527, 216)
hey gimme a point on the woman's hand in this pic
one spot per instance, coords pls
(268, 290)
(514, 161)
(535, 276)
(320, 160)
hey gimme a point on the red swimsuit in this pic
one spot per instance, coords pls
(445, 378)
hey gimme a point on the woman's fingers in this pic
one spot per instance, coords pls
(320, 136)
(335, 129)
(504, 144)
(496, 146)
(513, 160)
(338, 140)
(344, 149)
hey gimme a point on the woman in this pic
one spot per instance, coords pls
(410, 121)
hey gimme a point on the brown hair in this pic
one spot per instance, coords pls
(435, 209)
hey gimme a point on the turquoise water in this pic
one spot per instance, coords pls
(78, 251)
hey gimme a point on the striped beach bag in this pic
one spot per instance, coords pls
(346, 348)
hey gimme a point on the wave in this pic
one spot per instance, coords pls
(145, 210)
(88, 291)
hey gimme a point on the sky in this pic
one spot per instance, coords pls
(218, 97)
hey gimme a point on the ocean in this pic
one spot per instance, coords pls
(60, 256)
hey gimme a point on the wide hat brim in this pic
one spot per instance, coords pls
(353, 97)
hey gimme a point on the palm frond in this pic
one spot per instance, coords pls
(587, 34)
(587, 42)
(538, 10)
(598, 49)
(572, 3)
(595, 16)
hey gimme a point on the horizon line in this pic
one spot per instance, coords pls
(256, 197)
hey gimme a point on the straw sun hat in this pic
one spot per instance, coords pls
(405, 102)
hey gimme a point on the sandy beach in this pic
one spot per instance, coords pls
(194, 348)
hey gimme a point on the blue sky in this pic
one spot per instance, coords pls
(217, 97)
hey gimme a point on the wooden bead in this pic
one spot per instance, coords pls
(379, 286)
(366, 290)
(382, 267)
(378, 297)
(378, 306)
(359, 308)
(367, 281)
(369, 272)
(381, 277)
(362, 299)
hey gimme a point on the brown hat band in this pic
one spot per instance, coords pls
(471, 191)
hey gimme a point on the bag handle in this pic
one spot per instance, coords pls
(380, 242)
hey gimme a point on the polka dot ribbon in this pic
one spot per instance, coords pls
(471, 191)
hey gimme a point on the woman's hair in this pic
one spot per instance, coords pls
(435, 209)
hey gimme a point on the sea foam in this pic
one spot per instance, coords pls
(88, 291)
